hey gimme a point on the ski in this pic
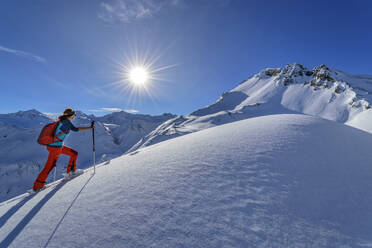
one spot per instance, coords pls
(66, 177)
(32, 191)
(71, 175)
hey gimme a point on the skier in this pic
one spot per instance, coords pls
(57, 148)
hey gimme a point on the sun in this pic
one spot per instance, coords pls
(138, 76)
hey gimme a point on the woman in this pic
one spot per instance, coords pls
(57, 148)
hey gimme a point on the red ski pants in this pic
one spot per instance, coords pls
(54, 153)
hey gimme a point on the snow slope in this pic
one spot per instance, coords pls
(273, 181)
(322, 91)
(22, 158)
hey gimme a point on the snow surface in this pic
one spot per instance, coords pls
(274, 181)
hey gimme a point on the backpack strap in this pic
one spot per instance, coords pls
(56, 136)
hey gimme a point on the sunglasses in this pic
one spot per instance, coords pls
(72, 114)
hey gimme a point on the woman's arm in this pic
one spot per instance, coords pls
(77, 129)
(85, 128)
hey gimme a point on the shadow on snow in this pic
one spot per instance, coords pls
(29, 216)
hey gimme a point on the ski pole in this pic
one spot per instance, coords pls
(55, 173)
(94, 149)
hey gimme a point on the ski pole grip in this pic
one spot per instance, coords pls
(92, 124)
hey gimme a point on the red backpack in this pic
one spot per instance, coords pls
(47, 134)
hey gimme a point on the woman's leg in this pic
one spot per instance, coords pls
(73, 157)
(54, 153)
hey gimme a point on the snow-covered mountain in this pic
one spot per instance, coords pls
(322, 91)
(126, 129)
(24, 119)
(21, 158)
(272, 181)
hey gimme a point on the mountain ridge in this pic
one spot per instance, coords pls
(321, 91)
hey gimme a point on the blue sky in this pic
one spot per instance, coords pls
(55, 54)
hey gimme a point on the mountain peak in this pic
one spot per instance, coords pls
(296, 69)
(322, 72)
(24, 119)
(321, 67)
(80, 114)
(27, 114)
(290, 70)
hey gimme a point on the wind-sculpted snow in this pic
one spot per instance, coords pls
(322, 92)
(271, 181)
(227, 101)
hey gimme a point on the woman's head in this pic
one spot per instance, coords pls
(68, 114)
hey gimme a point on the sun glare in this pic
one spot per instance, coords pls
(138, 76)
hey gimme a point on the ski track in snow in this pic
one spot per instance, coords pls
(273, 181)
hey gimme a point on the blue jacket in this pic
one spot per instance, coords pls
(62, 132)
